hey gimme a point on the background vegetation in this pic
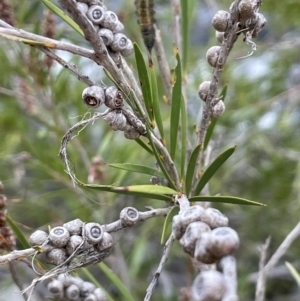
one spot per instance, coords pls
(38, 103)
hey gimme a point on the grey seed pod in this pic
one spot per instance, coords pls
(38, 237)
(220, 20)
(87, 288)
(220, 36)
(56, 288)
(96, 14)
(260, 23)
(93, 96)
(202, 254)
(93, 232)
(190, 215)
(74, 226)
(212, 55)
(59, 236)
(131, 133)
(192, 234)
(177, 228)
(66, 279)
(214, 218)
(128, 50)
(247, 9)
(116, 120)
(99, 294)
(106, 242)
(113, 98)
(119, 27)
(203, 90)
(73, 243)
(56, 256)
(106, 35)
(110, 20)
(223, 241)
(129, 216)
(77, 281)
(83, 7)
(209, 286)
(120, 42)
(90, 297)
(218, 109)
(72, 292)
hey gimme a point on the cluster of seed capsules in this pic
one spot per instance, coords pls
(250, 23)
(68, 288)
(74, 239)
(204, 234)
(108, 27)
(7, 238)
(118, 119)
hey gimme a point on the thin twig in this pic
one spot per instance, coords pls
(228, 264)
(163, 260)
(177, 25)
(261, 279)
(15, 277)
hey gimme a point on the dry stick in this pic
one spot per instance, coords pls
(261, 279)
(228, 264)
(163, 63)
(163, 260)
(177, 27)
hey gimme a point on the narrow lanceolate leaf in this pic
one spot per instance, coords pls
(183, 138)
(168, 220)
(153, 189)
(144, 80)
(212, 168)
(63, 16)
(191, 169)
(175, 108)
(28, 41)
(224, 199)
(18, 233)
(156, 108)
(294, 273)
(116, 281)
(213, 122)
(138, 168)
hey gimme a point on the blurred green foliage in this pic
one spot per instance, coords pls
(38, 105)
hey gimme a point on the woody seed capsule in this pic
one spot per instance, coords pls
(220, 20)
(96, 14)
(59, 236)
(204, 90)
(212, 55)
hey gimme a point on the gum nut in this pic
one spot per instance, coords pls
(177, 227)
(110, 20)
(223, 241)
(247, 9)
(190, 215)
(56, 256)
(90, 297)
(106, 35)
(120, 42)
(93, 232)
(93, 96)
(72, 292)
(203, 90)
(218, 109)
(77, 281)
(38, 237)
(119, 27)
(220, 36)
(73, 243)
(129, 216)
(214, 218)
(220, 20)
(87, 288)
(113, 97)
(100, 295)
(131, 133)
(209, 286)
(83, 7)
(74, 226)
(212, 55)
(192, 233)
(96, 14)
(106, 242)
(116, 120)
(59, 236)
(56, 288)
(66, 279)
(201, 252)
(128, 50)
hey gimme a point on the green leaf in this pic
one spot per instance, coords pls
(224, 199)
(90, 276)
(156, 108)
(138, 168)
(156, 189)
(63, 16)
(183, 138)
(144, 145)
(18, 233)
(212, 168)
(294, 273)
(168, 220)
(116, 281)
(213, 122)
(144, 80)
(175, 108)
(191, 169)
